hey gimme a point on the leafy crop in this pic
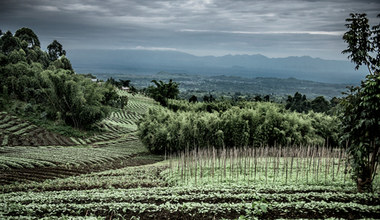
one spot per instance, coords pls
(194, 202)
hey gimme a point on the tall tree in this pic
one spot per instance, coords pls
(298, 103)
(320, 104)
(9, 43)
(361, 107)
(163, 91)
(73, 99)
(55, 50)
(125, 83)
(193, 99)
(26, 34)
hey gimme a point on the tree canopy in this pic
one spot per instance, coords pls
(361, 107)
(55, 50)
(26, 34)
(47, 82)
(162, 91)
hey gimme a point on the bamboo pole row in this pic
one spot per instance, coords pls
(276, 165)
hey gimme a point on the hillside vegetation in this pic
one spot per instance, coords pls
(30, 153)
(47, 84)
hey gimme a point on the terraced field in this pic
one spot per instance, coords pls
(117, 128)
(23, 164)
(30, 153)
(17, 132)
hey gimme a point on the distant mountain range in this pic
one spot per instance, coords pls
(249, 66)
(227, 86)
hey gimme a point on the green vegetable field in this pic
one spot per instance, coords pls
(112, 175)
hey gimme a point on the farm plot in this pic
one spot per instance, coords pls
(138, 103)
(119, 126)
(39, 163)
(92, 195)
(134, 176)
(54, 155)
(104, 177)
(17, 132)
(263, 165)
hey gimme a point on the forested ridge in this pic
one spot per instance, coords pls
(43, 83)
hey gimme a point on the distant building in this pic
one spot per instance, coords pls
(94, 80)
(125, 88)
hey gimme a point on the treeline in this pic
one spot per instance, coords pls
(218, 106)
(247, 124)
(47, 83)
(300, 103)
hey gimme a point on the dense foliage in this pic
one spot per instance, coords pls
(46, 82)
(250, 124)
(219, 106)
(162, 91)
(361, 108)
(73, 99)
(300, 103)
(122, 83)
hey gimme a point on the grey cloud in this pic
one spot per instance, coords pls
(271, 27)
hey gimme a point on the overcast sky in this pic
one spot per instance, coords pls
(273, 28)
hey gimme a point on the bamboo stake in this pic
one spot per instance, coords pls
(291, 166)
(319, 159)
(286, 176)
(231, 163)
(266, 169)
(339, 159)
(333, 166)
(196, 163)
(327, 164)
(298, 166)
(274, 166)
(255, 158)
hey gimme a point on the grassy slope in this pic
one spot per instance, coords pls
(124, 188)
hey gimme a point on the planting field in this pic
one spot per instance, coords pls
(143, 192)
(118, 127)
(262, 165)
(111, 175)
(22, 164)
(29, 153)
(17, 132)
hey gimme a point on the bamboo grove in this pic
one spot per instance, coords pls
(241, 125)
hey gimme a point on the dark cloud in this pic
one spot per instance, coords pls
(203, 27)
